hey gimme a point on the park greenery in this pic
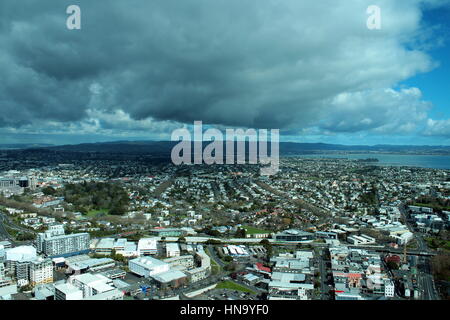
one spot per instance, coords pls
(93, 198)
(233, 286)
(438, 204)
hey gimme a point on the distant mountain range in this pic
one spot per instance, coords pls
(14, 146)
(286, 148)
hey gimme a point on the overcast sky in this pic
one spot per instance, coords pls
(139, 69)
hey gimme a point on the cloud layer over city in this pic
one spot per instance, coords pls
(144, 68)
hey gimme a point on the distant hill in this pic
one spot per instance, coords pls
(286, 148)
(23, 146)
(157, 147)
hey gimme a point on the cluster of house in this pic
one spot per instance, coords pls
(47, 201)
(359, 275)
(33, 221)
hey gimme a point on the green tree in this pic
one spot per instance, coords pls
(268, 246)
(49, 191)
(392, 265)
(240, 233)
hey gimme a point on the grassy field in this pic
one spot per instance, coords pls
(253, 230)
(233, 286)
(94, 213)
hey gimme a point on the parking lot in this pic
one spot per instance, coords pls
(227, 294)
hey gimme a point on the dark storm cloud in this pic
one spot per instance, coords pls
(243, 63)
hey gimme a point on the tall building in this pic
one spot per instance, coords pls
(23, 270)
(2, 271)
(41, 271)
(18, 261)
(32, 182)
(4, 281)
(54, 243)
(389, 288)
(2, 253)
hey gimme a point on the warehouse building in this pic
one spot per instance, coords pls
(91, 264)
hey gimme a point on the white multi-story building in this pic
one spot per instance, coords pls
(186, 261)
(147, 246)
(67, 291)
(198, 274)
(147, 266)
(126, 248)
(2, 275)
(54, 243)
(172, 249)
(2, 270)
(91, 284)
(41, 271)
(55, 230)
(2, 253)
(105, 246)
(389, 288)
(114, 294)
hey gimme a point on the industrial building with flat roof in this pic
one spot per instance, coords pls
(171, 278)
(94, 264)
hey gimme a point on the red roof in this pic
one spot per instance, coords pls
(261, 267)
(393, 258)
